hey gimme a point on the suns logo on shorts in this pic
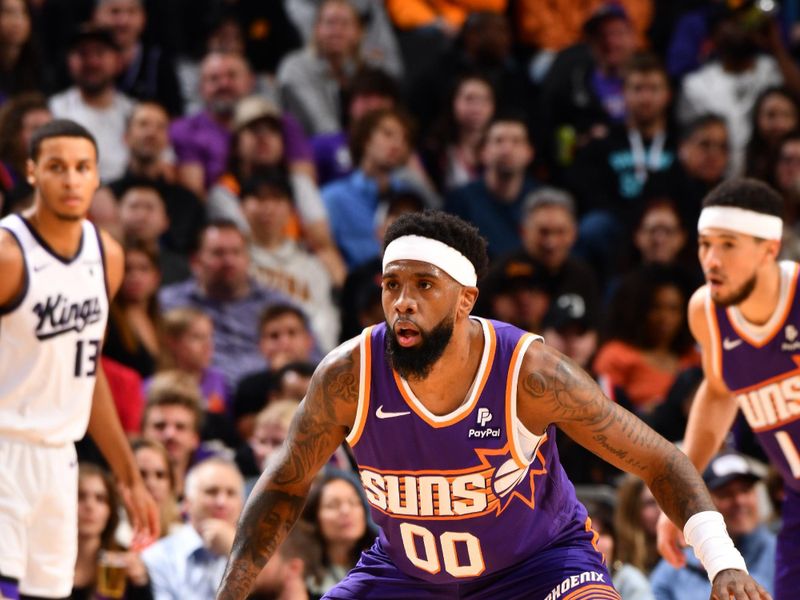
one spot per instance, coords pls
(488, 487)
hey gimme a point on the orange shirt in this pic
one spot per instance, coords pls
(410, 14)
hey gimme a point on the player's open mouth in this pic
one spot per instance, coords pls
(407, 334)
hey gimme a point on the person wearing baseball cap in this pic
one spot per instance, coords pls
(731, 478)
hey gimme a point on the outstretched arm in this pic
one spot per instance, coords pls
(553, 389)
(320, 425)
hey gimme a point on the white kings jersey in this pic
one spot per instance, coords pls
(50, 339)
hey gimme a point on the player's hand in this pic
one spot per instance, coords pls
(670, 542)
(143, 513)
(217, 536)
(732, 583)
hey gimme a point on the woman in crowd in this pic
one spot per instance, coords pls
(775, 113)
(20, 63)
(635, 521)
(98, 518)
(153, 462)
(134, 318)
(647, 338)
(337, 512)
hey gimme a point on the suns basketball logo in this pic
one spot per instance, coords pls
(488, 487)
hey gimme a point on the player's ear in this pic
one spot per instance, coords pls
(773, 248)
(469, 295)
(30, 168)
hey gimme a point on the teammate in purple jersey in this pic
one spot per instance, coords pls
(452, 420)
(746, 320)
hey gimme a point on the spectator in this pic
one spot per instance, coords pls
(494, 202)
(635, 520)
(143, 219)
(258, 144)
(452, 151)
(126, 390)
(776, 112)
(189, 563)
(283, 577)
(98, 517)
(517, 293)
(729, 85)
(173, 417)
(380, 143)
(148, 72)
(222, 288)
(371, 89)
(280, 263)
(187, 336)
(703, 156)
(132, 334)
(660, 237)
(337, 512)
(313, 79)
(153, 462)
(786, 179)
(93, 101)
(293, 379)
(147, 139)
(732, 482)
(19, 118)
(548, 234)
(284, 338)
(21, 68)
(582, 93)
(647, 339)
(270, 429)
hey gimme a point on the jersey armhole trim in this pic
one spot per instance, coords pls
(102, 251)
(15, 303)
(512, 421)
(364, 381)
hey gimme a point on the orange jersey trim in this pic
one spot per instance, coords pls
(365, 381)
(511, 380)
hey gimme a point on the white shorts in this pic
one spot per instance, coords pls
(38, 517)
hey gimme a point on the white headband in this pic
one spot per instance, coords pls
(423, 249)
(741, 220)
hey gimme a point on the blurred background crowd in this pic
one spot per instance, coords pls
(252, 154)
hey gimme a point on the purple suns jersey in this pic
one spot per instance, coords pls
(464, 494)
(761, 367)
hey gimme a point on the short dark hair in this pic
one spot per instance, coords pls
(275, 311)
(747, 193)
(362, 129)
(701, 122)
(509, 116)
(645, 62)
(216, 223)
(59, 128)
(446, 228)
(371, 81)
(272, 180)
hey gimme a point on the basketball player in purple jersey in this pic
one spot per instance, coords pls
(57, 276)
(746, 320)
(452, 421)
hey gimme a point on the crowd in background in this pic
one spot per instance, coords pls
(253, 153)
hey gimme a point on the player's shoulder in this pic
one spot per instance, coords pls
(697, 315)
(111, 247)
(345, 357)
(12, 266)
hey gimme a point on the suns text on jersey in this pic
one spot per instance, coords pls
(771, 404)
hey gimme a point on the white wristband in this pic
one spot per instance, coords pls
(705, 532)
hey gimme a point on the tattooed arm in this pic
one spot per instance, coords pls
(320, 425)
(553, 389)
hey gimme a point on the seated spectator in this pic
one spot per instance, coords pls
(222, 289)
(132, 333)
(190, 562)
(280, 263)
(98, 517)
(776, 112)
(494, 203)
(635, 519)
(647, 339)
(786, 179)
(148, 72)
(21, 68)
(729, 85)
(126, 390)
(144, 221)
(257, 145)
(20, 116)
(284, 337)
(731, 480)
(270, 429)
(153, 462)
(187, 336)
(147, 139)
(337, 512)
(284, 575)
(380, 143)
(568, 329)
(292, 380)
(452, 151)
(93, 101)
(703, 153)
(313, 79)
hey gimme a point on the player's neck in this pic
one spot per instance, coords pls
(63, 236)
(762, 302)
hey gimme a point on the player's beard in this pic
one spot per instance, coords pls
(740, 295)
(416, 362)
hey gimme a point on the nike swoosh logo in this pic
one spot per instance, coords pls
(38, 268)
(728, 344)
(389, 415)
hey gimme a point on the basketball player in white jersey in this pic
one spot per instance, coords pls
(58, 275)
